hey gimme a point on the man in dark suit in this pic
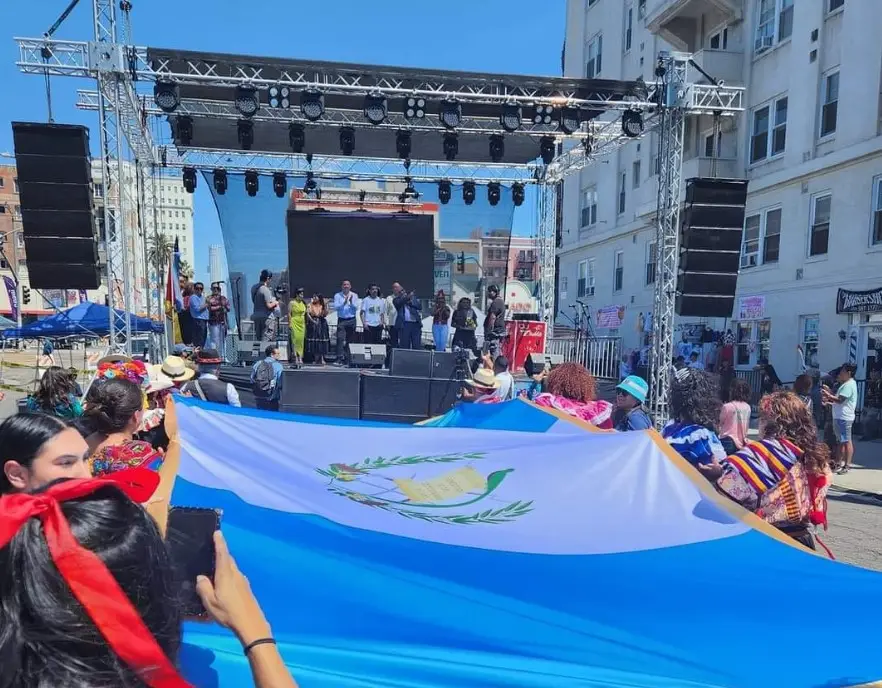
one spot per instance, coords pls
(409, 321)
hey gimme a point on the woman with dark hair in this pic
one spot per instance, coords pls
(115, 409)
(297, 325)
(571, 388)
(769, 380)
(76, 574)
(318, 338)
(440, 321)
(735, 416)
(784, 476)
(36, 449)
(56, 395)
(695, 408)
(465, 321)
(802, 387)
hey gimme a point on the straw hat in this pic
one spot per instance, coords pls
(173, 367)
(158, 381)
(484, 378)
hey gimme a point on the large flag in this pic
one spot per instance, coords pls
(174, 300)
(12, 295)
(463, 557)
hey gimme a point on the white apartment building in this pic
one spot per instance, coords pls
(809, 143)
(176, 215)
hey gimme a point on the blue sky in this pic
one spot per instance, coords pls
(514, 36)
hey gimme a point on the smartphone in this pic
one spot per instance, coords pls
(190, 539)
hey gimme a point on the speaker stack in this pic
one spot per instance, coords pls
(536, 363)
(710, 247)
(329, 392)
(55, 192)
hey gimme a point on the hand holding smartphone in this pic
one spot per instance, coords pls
(190, 537)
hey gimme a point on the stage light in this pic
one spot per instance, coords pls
(517, 194)
(347, 140)
(403, 141)
(189, 177)
(451, 146)
(450, 114)
(510, 117)
(632, 123)
(494, 193)
(280, 97)
(166, 96)
(547, 149)
(468, 192)
(245, 132)
(415, 108)
(310, 186)
(184, 130)
(444, 191)
(569, 120)
(296, 137)
(375, 109)
(543, 114)
(251, 183)
(246, 101)
(220, 181)
(497, 147)
(409, 190)
(312, 105)
(280, 184)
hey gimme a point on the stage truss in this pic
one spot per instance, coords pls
(126, 113)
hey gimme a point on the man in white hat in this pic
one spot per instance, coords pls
(481, 388)
(174, 368)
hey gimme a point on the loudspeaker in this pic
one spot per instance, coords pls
(443, 395)
(710, 247)
(443, 365)
(536, 362)
(411, 363)
(394, 399)
(322, 392)
(55, 193)
(366, 355)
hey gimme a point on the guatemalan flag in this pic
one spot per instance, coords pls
(505, 546)
(174, 299)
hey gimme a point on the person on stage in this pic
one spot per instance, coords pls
(392, 318)
(218, 308)
(297, 326)
(346, 304)
(199, 315)
(373, 315)
(265, 309)
(465, 322)
(317, 337)
(409, 320)
(494, 323)
(440, 321)
(184, 319)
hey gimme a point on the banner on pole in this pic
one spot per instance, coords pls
(12, 294)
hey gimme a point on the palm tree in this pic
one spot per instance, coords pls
(159, 249)
(185, 269)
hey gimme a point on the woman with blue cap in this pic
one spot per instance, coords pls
(630, 397)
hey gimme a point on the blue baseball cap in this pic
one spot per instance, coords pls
(635, 386)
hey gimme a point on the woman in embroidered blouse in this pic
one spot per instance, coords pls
(571, 388)
(788, 437)
(695, 407)
(56, 395)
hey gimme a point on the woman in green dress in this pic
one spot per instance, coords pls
(297, 325)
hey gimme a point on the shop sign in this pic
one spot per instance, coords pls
(859, 301)
(610, 316)
(751, 307)
(443, 272)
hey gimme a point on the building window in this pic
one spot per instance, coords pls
(774, 23)
(785, 19)
(877, 211)
(771, 236)
(834, 5)
(831, 104)
(651, 262)
(586, 278)
(808, 329)
(623, 187)
(15, 185)
(595, 56)
(752, 342)
(98, 190)
(819, 234)
(2, 182)
(629, 26)
(16, 211)
(751, 242)
(635, 174)
(719, 40)
(591, 2)
(711, 151)
(19, 240)
(564, 283)
(762, 237)
(589, 207)
(2, 209)
(619, 271)
(769, 135)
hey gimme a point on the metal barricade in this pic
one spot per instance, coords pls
(600, 355)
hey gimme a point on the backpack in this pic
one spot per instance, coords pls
(264, 380)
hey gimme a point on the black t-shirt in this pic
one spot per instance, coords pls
(497, 308)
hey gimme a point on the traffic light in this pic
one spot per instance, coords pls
(26, 294)
(460, 263)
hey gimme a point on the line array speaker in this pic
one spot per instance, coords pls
(710, 247)
(535, 363)
(55, 193)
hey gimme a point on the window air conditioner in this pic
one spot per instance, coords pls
(748, 261)
(763, 43)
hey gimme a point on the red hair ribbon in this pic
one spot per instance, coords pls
(86, 575)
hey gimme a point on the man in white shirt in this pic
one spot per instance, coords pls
(373, 315)
(345, 304)
(695, 361)
(506, 389)
(844, 402)
(391, 317)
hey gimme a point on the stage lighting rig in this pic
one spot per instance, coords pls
(409, 191)
(547, 149)
(632, 123)
(569, 120)
(310, 186)
(403, 144)
(280, 184)
(510, 117)
(296, 137)
(251, 183)
(312, 105)
(375, 109)
(444, 191)
(184, 130)
(247, 102)
(347, 140)
(468, 192)
(166, 96)
(494, 193)
(415, 108)
(220, 181)
(451, 145)
(544, 114)
(497, 147)
(245, 132)
(450, 114)
(280, 97)
(189, 177)
(517, 194)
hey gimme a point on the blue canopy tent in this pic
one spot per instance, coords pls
(83, 320)
(6, 323)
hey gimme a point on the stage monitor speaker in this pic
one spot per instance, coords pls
(536, 362)
(54, 172)
(710, 247)
(411, 363)
(442, 396)
(324, 391)
(443, 365)
(367, 355)
(394, 399)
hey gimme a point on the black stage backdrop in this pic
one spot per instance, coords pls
(324, 248)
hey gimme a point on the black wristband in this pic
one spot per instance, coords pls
(261, 641)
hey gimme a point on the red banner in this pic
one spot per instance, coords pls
(525, 337)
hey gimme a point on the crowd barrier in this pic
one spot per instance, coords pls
(601, 355)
